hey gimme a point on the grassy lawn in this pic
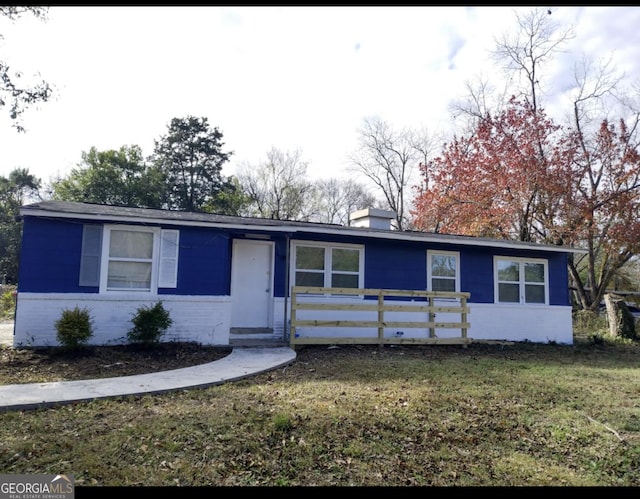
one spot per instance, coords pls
(486, 415)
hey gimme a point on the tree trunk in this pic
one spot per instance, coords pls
(621, 322)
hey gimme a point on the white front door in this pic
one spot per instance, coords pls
(252, 284)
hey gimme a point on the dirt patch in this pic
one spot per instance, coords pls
(38, 365)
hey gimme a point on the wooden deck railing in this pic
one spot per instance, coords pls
(315, 299)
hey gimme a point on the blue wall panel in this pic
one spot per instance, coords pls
(559, 279)
(402, 265)
(476, 273)
(50, 256)
(476, 269)
(204, 266)
(392, 265)
(280, 271)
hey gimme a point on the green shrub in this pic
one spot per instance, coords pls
(149, 324)
(74, 328)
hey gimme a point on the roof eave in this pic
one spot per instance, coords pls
(294, 228)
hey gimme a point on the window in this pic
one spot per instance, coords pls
(521, 280)
(129, 258)
(331, 266)
(443, 271)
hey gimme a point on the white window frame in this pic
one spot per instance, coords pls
(104, 271)
(167, 264)
(522, 283)
(328, 253)
(432, 253)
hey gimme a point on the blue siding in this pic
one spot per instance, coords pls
(204, 262)
(403, 265)
(392, 265)
(280, 270)
(559, 279)
(204, 265)
(50, 262)
(476, 273)
(50, 256)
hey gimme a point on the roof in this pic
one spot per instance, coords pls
(123, 214)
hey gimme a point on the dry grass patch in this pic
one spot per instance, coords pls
(361, 416)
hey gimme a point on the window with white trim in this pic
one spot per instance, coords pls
(443, 271)
(133, 258)
(521, 280)
(328, 265)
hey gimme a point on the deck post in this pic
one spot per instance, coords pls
(432, 318)
(380, 318)
(292, 318)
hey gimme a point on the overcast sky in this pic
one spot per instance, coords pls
(285, 77)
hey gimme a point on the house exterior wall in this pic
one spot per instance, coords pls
(200, 304)
(494, 322)
(49, 283)
(393, 265)
(476, 269)
(200, 319)
(204, 259)
(532, 323)
(50, 257)
(204, 263)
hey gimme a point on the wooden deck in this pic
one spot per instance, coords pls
(381, 302)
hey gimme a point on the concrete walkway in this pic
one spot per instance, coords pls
(240, 363)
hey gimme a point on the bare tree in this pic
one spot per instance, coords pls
(336, 199)
(425, 146)
(524, 53)
(390, 160)
(521, 55)
(481, 100)
(278, 187)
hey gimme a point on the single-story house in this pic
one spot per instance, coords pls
(224, 277)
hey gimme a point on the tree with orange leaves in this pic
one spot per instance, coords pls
(520, 176)
(502, 181)
(603, 209)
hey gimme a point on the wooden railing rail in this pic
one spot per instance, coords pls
(316, 299)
